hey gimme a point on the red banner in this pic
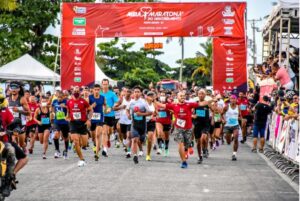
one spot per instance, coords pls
(215, 19)
(229, 64)
(77, 62)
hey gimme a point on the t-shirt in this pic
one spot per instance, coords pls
(77, 109)
(60, 112)
(98, 110)
(32, 109)
(243, 105)
(282, 76)
(111, 99)
(138, 105)
(6, 117)
(261, 114)
(182, 113)
(123, 114)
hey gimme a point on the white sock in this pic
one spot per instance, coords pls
(105, 149)
(234, 153)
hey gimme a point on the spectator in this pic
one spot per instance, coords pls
(282, 76)
(284, 62)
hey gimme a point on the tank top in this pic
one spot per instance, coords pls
(151, 109)
(232, 116)
(12, 104)
(202, 113)
(44, 117)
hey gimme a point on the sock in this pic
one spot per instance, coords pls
(129, 149)
(56, 144)
(159, 142)
(234, 153)
(105, 149)
(66, 145)
(166, 144)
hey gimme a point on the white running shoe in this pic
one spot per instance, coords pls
(141, 153)
(81, 163)
(159, 151)
(57, 155)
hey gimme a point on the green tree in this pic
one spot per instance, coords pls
(9, 5)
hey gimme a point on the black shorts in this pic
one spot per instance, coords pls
(42, 128)
(250, 119)
(31, 129)
(150, 126)
(78, 127)
(109, 121)
(199, 129)
(139, 132)
(125, 128)
(63, 128)
(94, 125)
(166, 127)
(18, 151)
(217, 125)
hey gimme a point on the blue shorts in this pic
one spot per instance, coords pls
(138, 132)
(259, 130)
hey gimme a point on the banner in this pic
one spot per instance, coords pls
(77, 62)
(213, 19)
(281, 138)
(292, 141)
(229, 64)
(267, 85)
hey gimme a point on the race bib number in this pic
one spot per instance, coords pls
(60, 115)
(137, 118)
(45, 120)
(162, 114)
(77, 115)
(243, 107)
(96, 116)
(180, 123)
(15, 114)
(232, 121)
(217, 117)
(200, 113)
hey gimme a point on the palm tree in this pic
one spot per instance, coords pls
(205, 60)
(8, 5)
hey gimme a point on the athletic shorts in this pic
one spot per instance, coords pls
(250, 119)
(109, 121)
(63, 128)
(78, 127)
(230, 129)
(150, 126)
(138, 132)
(42, 128)
(31, 129)
(199, 129)
(125, 128)
(18, 151)
(217, 125)
(166, 127)
(183, 136)
(259, 130)
(94, 125)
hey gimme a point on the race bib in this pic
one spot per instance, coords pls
(77, 115)
(60, 115)
(217, 117)
(96, 116)
(137, 118)
(233, 121)
(243, 107)
(200, 113)
(15, 114)
(45, 120)
(162, 114)
(180, 123)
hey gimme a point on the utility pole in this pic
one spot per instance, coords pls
(254, 28)
(182, 57)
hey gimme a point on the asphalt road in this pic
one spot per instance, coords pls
(118, 178)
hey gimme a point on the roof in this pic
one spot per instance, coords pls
(27, 68)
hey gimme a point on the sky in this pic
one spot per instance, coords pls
(172, 51)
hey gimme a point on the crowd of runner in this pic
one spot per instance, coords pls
(137, 118)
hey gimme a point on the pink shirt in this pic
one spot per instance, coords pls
(283, 76)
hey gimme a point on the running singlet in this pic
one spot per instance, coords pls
(243, 105)
(202, 115)
(77, 109)
(12, 104)
(32, 109)
(97, 116)
(183, 114)
(111, 99)
(163, 116)
(44, 118)
(123, 114)
(60, 112)
(232, 116)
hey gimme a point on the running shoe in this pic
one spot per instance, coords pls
(184, 165)
(56, 154)
(167, 152)
(117, 145)
(148, 158)
(141, 153)
(104, 153)
(30, 151)
(128, 155)
(191, 151)
(44, 156)
(261, 150)
(81, 163)
(200, 160)
(135, 160)
(159, 151)
(94, 149)
(254, 150)
(96, 157)
(65, 154)
(234, 157)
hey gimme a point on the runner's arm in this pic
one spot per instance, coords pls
(25, 106)
(37, 111)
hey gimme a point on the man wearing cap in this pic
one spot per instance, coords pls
(231, 115)
(18, 106)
